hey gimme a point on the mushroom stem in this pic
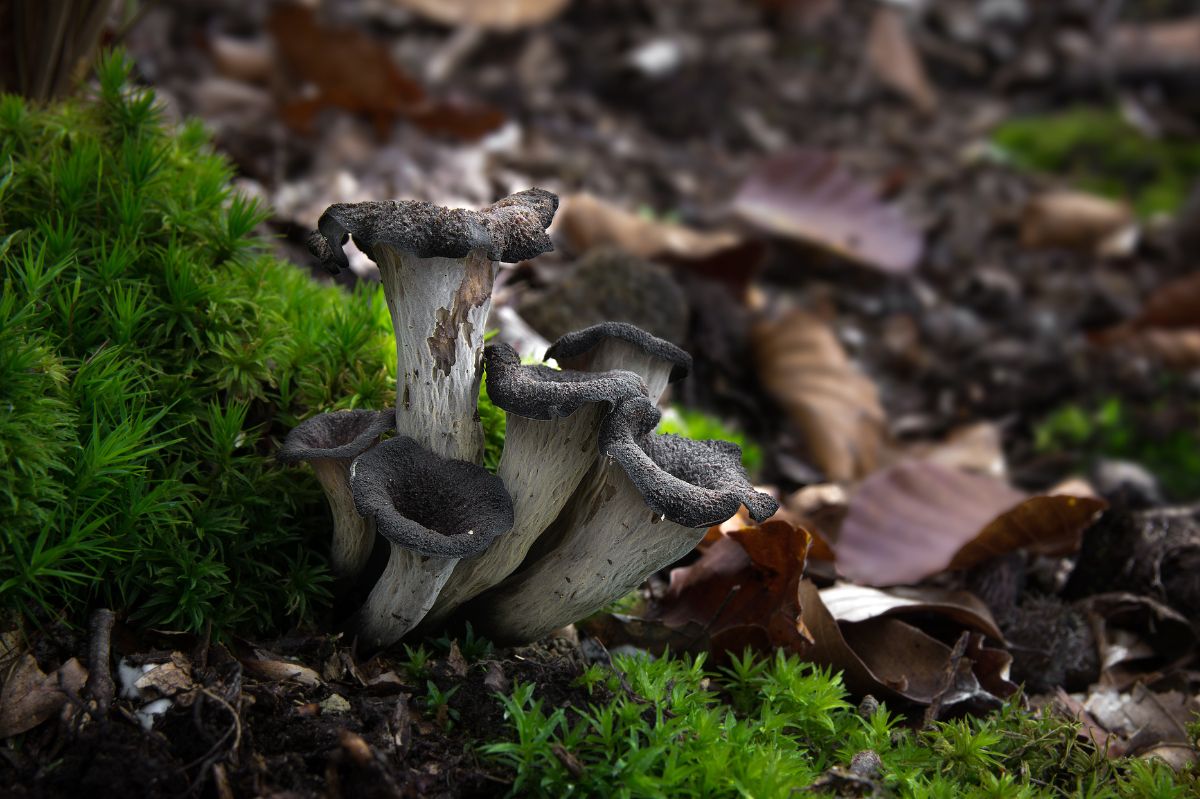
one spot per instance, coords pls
(353, 536)
(606, 543)
(615, 353)
(542, 463)
(439, 309)
(404, 594)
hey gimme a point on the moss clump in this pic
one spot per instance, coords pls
(769, 728)
(151, 357)
(1100, 152)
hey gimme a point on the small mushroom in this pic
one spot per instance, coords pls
(433, 511)
(437, 267)
(330, 441)
(645, 506)
(549, 445)
(619, 345)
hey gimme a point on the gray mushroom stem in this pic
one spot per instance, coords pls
(549, 445)
(644, 506)
(433, 511)
(438, 266)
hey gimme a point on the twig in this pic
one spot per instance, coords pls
(100, 683)
(956, 656)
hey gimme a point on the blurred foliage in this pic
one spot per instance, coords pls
(698, 425)
(1100, 152)
(1112, 430)
(151, 358)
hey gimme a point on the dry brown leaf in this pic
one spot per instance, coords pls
(837, 408)
(588, 222)
(807, 196)
(1167, 330)
(250, 60)
(896, 62)
(30, 696)
(501, 15)
(916, 519)
(356, 73)
(973, 448)
(742, 590)
(1167, 46)
(854, 603)
(269, 668)
(893, 660)
(1078, 221)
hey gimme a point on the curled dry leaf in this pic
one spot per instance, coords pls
(854, 603)
(1167, 330)
(501, 15)
(837, 408)
(807, 196)
(893, 660)
(1076, 220)
(30, 696)
(269, 668)
(356, 73)
(896, 62)
(587, 222)
(918, 518)
(742, 590)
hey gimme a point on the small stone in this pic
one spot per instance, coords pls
(335, 704)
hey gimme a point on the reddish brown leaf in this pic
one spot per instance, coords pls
(807, 196)
(918, 518)
(354, 72)
(894, 60)
(742, 590)
(837, 408)
(1167, 330)
(502, 15)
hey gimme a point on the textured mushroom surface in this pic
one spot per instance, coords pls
(431, 505)
(576, 344)
(340, 435)
(513, 229)
(692, 483)
(539, 392)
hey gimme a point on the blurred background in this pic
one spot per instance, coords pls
(876, 225)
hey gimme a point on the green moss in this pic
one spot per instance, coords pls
(151, 358)
(1100, 152)
(768, 728)
(698, 425)
(1111, 429)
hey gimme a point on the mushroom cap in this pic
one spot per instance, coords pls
(432, 505)
(512, 229)
(341, 434)
(692, 483)
(539, 392)
(581, 341)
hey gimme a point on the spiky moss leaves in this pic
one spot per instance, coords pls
(151, 359)
(769, 727)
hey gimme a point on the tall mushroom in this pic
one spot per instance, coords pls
(433, 511)
(620, 345)
(650, 503)
(549, 445)
(437, 267)
(330, 441)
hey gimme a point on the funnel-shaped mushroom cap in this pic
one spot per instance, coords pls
(431, 505)
(340, 435)
(512, 229)
(692, 483)
(573, 345)
(539, 392)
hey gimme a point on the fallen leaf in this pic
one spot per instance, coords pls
(1078, 221)
(1135, 635)
(742, 590)
(1157, 47)
(282, 671)
(30, 696)
(354, 72)
(917, 518)
(166, 679)
(249, 60)
(853, 603)
(894, 60)
(836, 407)
(807, 196)
(1167, 331)
(893, 660)
(1143, 719)
(500, 15)
(974, 448)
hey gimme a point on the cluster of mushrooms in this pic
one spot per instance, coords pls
(588, 500)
